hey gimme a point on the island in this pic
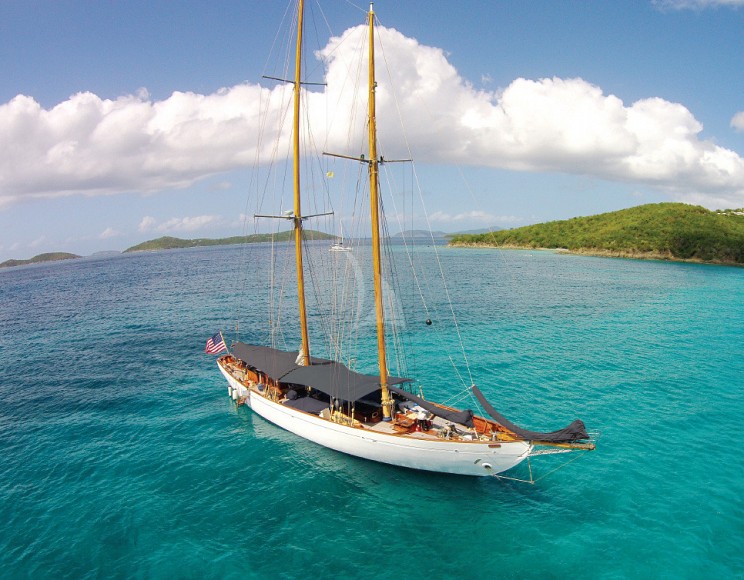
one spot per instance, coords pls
(661, 231)
(49, 257)
(420, 234)
(170, 243)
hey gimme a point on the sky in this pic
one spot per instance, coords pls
(122, 122)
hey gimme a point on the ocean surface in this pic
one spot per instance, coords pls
(122, 455)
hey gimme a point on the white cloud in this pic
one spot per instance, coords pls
(470, 216)
(178, 224)
(147, 224)
(474, 216)
(37, 242)
(696, 4)
(88, 145)
(737, 122)
(108, 233)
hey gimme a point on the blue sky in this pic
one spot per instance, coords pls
(118, 119)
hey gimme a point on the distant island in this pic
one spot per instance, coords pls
(664, 231)
(49, 257)
(440, 234)
(170, 243)
(661, 231)
(477, 231)
(419, 234)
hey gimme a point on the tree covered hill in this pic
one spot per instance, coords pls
(49, 257)
(170, 243)
(674, 231)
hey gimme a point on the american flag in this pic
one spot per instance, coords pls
(215, 344)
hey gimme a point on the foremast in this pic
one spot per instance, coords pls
(374, 203)
(304, 356)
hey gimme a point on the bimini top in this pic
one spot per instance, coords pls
(326, 376)
(270, 361)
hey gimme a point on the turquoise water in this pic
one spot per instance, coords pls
(123, 456)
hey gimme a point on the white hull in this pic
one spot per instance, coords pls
(424, 453)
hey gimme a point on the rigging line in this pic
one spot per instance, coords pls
(279, 29)
(288, 250)
(312, 164)
(416, 281)
(361, 9)
(354, 283)
(273, 323)
(277, 331)
(351, 78)
(245, 229)
(499, 251)
(273, 318)
(410, 259)
(350, 330)
(418, 188)
(359, 209)
(310, 17)
(438, 329)
(401, 351)
(339, 300)
(447, 294)
(323, 323)
(271, 172)
(325, 20)
(428, 223)
(580, 455)
(389, 265)
(265, 98)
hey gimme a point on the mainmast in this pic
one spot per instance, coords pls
(304, 358)
(374, 202)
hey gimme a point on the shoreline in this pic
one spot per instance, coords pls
(600, 253)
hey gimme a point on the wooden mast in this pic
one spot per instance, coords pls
(375, 218)
(304, 358)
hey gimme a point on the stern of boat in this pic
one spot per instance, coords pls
(237, 388)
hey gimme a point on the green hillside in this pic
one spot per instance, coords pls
(49, 257)
(674, 231)
(169, 243)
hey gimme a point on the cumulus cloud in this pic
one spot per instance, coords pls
(737, 122)
(99, 146)
(178, 224)
(88, 145)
